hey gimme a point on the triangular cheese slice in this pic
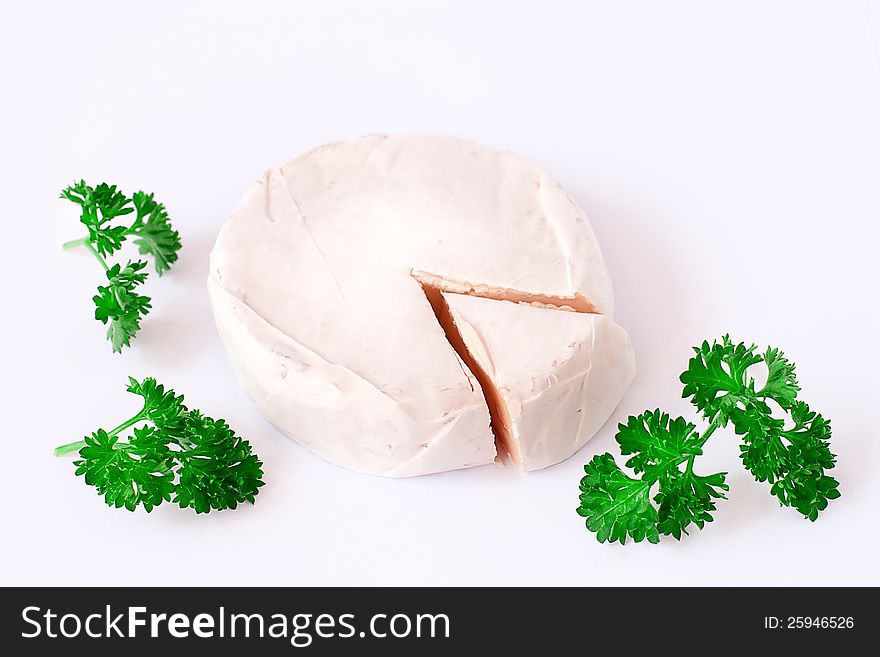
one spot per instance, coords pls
(551, 377)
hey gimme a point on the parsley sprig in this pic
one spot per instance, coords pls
(791, 453)
(173, 454)
(117, 304)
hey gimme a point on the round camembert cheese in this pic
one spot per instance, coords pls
(403, 305)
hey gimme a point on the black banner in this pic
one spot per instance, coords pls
(277, 621)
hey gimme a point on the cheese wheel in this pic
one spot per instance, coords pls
(354, 286)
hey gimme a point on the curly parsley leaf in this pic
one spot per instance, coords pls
(100, 206)
(618, 506)
(127, 474)
(217, 468)
(657, 442)
(173, 454)
(117, 304)
(164, 408)
(686, 498)
(792, 453)
(153, 233)
(781, 386)
(717, 377)
(794, 460)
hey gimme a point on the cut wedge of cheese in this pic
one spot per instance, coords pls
(327, 285)
(555, 376)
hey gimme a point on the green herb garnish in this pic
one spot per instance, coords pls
(792, 456)
(117, 304)
(173, 454)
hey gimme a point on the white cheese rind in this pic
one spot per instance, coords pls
(341, 416)
(331, 336)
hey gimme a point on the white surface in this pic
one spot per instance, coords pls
(727, 154)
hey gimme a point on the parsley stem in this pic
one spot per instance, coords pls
(97, 256)
(69, 448)
(125, 425)
(709, 431)
(74, 243)
(84, 241)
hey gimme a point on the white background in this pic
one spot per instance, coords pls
(727, 154)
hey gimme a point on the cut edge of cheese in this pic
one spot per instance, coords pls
(499, 415)
(576, 303)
